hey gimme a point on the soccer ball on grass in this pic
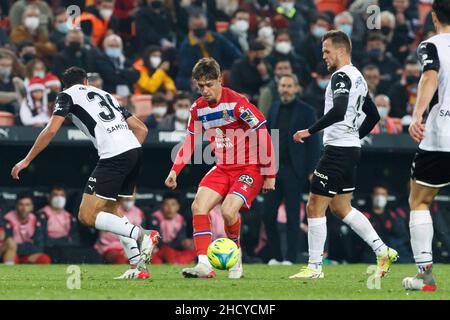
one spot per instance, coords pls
(223, 253)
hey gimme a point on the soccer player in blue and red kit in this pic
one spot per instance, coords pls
(245, 161)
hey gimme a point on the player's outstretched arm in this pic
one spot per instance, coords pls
(39, 145)
(426, 89)
(138, 127)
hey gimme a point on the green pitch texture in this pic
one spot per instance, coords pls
(260, 282)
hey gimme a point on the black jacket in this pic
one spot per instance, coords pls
(304, 156)
(66, 59)
(153, 26)
(113, 76)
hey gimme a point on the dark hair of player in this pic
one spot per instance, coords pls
(206, 69)
(339, 39)
(442, 10)
(73, 76)
(24, 195)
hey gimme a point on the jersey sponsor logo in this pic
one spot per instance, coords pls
(245, 178)
(320, 175)
(249, 117)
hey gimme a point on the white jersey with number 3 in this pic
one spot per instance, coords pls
(347, 80)
(98, 115)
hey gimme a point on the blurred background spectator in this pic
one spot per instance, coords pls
(387, 124)
(8, 247)
(160, 109)
(174, 247)
(27, 231)
(34, 108)
(179, 119)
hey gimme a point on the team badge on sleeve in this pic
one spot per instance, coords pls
(249, 117)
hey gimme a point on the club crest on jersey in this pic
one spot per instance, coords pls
(245, 178)
(226, 116)
(249, 117)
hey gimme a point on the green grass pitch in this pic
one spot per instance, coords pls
(260, 282)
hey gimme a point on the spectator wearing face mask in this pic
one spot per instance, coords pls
(268, 93)
(17, 9)
(251, 72)
(403, 94)
(29, 30)
(296, 16)
(154, 75)
(386, 124)
(371, 74)
(389, 224)
(9, 98)
(60, 28)
(201, 43)
(266, 34)
(178, 120)
(237, 32)
(311, 47)
(117, 72)
(37, 69)
(159, 111)
(109, 245)
(61, 228)
(399, 36)
(34, 108)
(154, 25)
(27, 231)
(74, 54)
(259, 9)
(376, 54)
(26, 51)
(314, 93)
(98, 21)
(284, 49)
(174, 246)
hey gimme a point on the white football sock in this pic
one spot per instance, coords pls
(421, 229)
(109, 222)
(203, 258)
(363, 228)
(317, 234)
(130, 247)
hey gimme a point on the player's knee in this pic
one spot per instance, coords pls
(85, 216)
(229, 214)
(196, 208)
(312, 209)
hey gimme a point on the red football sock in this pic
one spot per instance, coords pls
(234, 231)
(202, 233)
(43, 259)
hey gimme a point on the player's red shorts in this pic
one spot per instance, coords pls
(244, 182)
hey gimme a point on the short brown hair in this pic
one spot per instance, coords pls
(339, 39)
(206, 69)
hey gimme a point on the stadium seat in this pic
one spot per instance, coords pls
(7, 119)
(142, 105)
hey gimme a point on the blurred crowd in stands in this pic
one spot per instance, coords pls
(143, 51)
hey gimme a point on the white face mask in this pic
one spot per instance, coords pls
(58, 202)
(287, 6)
(32, 23)
(265, 32)
(127, 205)
(39, 74)
(182, 114)
(106, 13)
(241, 26)
(283, 47)
(379, 201)
(159, 111)
(155, 61)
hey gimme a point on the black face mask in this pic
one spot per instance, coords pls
(385, 30)
(262, 3)
(412, 80)
(74, 46)
(28, 57)
(257, 61)
(200, 32)
(156, 5)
